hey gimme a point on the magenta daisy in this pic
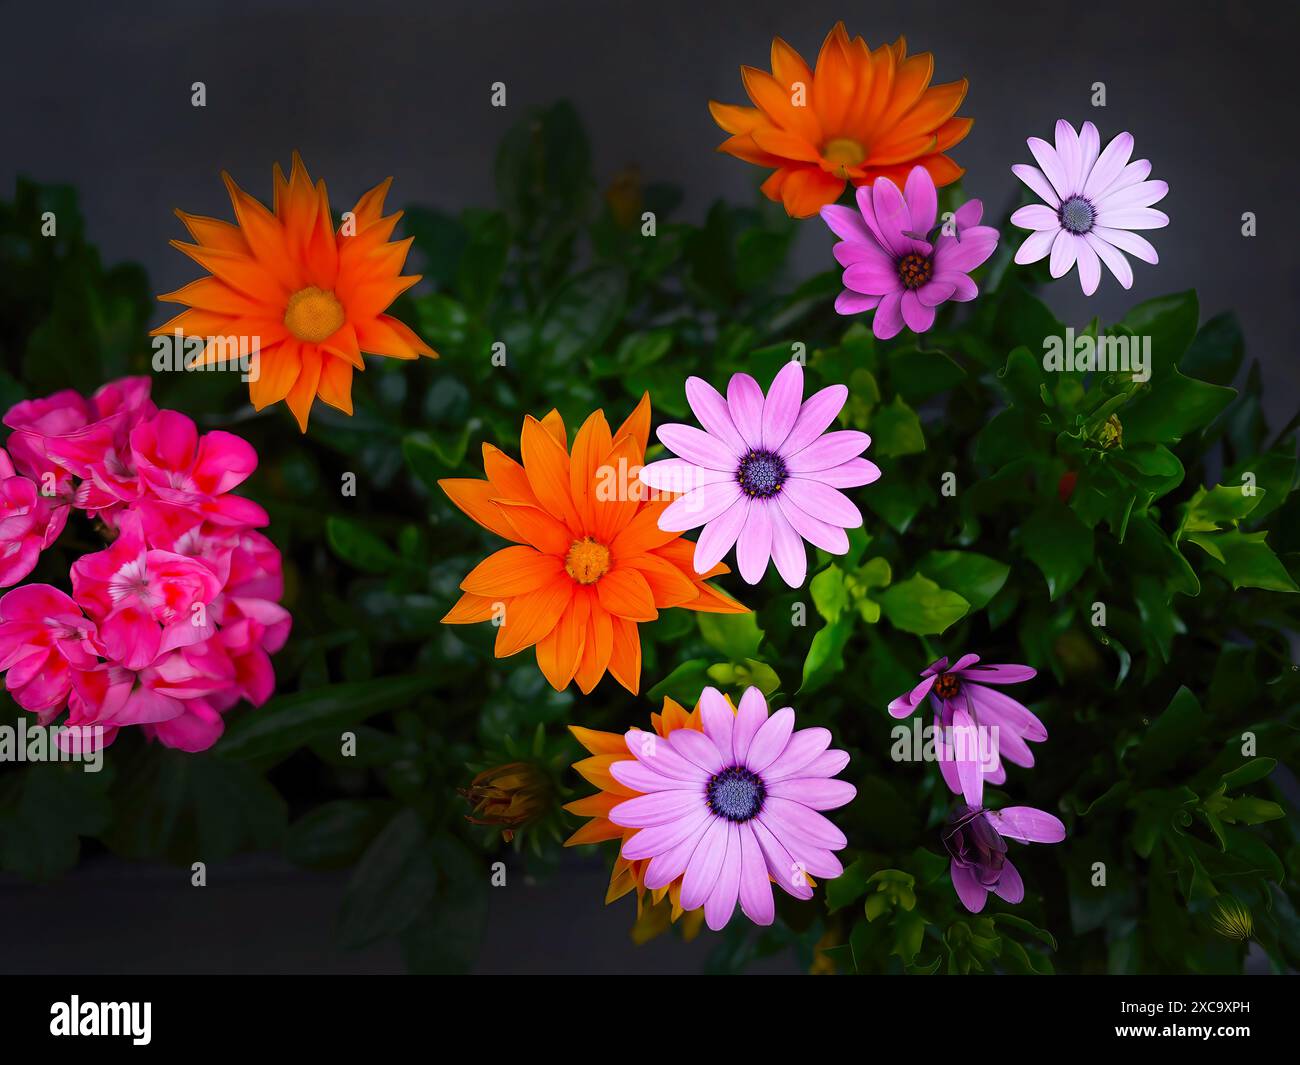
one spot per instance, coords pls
(1093, 201)
(976, 724)
(763, 475)
(734, 807)
(976, 841)
(890, 263)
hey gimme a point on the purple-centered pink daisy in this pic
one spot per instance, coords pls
(976, 841)
(734, 807)
(1093, 201)
(977, 724)
(893, 263)
(763, 474)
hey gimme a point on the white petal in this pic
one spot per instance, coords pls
(1063, 253)
(1113, 258)
(1036, 246)
(1037, 180)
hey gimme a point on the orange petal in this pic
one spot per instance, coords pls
(532, 615)
(668, 585)
(512, 571)
(776, 101)
(782, 145)
(213, 294)
(559, 653)
(533, 525)
(507, 476)
(625, 657)
(595, 832)
(277, 371)
(343, 345)
(642, 533)
(599, 646)
(546, 465)
(385, 335)
(303, 393)
(637, 425)
(470, 609)
(590, 447)
(597, 805)
(619, 498)
(600, 742)
(734, 118)
(595, 770)
(623, 591)
(477, 499)
(237, 270)
(807, 190)
(788, 65)
(214, 233)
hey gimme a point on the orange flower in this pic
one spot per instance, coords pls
(861, 116)
(589, 560)
(607, 748)
(312, 300)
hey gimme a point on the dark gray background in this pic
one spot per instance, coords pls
(98, 95)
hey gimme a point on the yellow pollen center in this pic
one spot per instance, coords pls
(587, 561)
(843, 151)
(313, 314)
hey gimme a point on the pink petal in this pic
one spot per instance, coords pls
(1113, 258)
(1108, 166)
(821, 502)
(678, 475)
(1036, 216)
(668, 864)
(922, 200)
(754, 546)
(718, 719)
(656, 808)
(663, 838)
(787, 548)
(1027, 825)
(892, 217)
(792, 822)
(1132, 218)
(745, 401)
(804, 747)
(640, 777)
(888, 320)
(721, 903)
(846, 223)
(782, 405)
(1036, 246)
(770, 740)
(992, 673)
(781, 864)
(827, 451)
(697, 446)
(826, 765)
(698, 749)
(711, 409)
(971, 892)
(815, 416)
(1135, 245)
(1071, 156)
(1010, 888)
(847, 303)
(831, 538)
(750, 715)
(1037, 180)
(705, 865)
(1089, 266)
(817, 793)
(872, 278)
(755, 888)
(918, 317)
(1050, 163)
(657, 754)
(720, 534)
(852, 474)
(699, 507)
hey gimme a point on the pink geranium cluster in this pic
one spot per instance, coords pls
(174, 621)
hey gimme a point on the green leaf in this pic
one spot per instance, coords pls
(684, 683)
(1174, 407)
(47, 811)
(1216, 353)
(896, 430)
(359, 547)
(1172, 733)
(583, 313)
(334, 835)
(736, 635)
(828, 592)
(1245, 560)
(920, 606)
(294, 720)
(917, 375)
(1059, 544)
(1210, 509)
(445, 939)
(975, 577)
(826, 654)
(1255, 769)
(394, 880)
(1170, 322)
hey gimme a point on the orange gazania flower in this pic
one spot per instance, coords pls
(607, 748)
(589, 560)
(312, 298)
(861, 116)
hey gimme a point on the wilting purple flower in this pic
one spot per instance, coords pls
(978, 724)
(976, 840)
(1093, 199)
(763, 474)
(734, 807)
(891, 265)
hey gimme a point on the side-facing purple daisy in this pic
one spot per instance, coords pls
(976, 724)
(976, 841)
(892, 265)
(1093, 199)
(734, 807)
(763, 474)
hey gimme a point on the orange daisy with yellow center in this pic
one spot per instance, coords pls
(588, 562)
(861, 115)
(607, 748)
(305, 298)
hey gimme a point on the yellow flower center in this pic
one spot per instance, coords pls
(845, 152)
(587, 561)
(313, 314)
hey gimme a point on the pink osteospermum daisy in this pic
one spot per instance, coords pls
(763, 474)
(1093, 201)
(892, 267)
(975, 839)
(734, 807)
(978, 724)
